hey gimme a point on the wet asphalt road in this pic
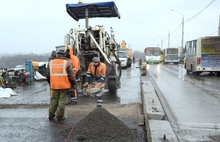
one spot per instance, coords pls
(192, 103)
(23, 118)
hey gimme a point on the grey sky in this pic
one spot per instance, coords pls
(37, 26)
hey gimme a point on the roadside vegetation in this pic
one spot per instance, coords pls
(11, 60)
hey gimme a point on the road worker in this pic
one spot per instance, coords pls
(95, 80)
(76, 69)
(96, 71)
(60, 76)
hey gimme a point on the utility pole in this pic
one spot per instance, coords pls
(219, 26)
(182, 28)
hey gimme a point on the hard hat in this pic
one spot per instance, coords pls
(96, 59)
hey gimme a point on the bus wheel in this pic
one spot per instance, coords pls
(211, 73)
(191, 68)
(197, 72)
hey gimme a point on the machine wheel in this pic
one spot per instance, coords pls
(112, 86)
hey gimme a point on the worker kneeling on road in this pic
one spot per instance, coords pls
(60, 76)
(95, 80)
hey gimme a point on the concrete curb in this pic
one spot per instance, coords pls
(158, 129)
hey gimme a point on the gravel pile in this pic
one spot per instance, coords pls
(101, 126)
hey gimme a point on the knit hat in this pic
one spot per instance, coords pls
(96, 59)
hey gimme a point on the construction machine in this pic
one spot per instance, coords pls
(124, 54)
(93, 41)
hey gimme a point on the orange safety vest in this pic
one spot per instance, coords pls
(58, 74)
(100, 71)
(75, 64)
(74, 61)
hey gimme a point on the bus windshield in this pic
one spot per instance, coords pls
(153, 51)
(172, 51)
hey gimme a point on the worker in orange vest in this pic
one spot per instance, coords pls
(60, 76)
(96, 70)
(76, 69)
(95, 79)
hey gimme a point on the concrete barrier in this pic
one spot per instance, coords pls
(158, 129)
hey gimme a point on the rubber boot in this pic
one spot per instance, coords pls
(73, 101)
(99, 101)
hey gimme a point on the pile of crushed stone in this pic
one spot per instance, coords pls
(100, 125)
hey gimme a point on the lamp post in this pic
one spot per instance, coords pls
(182, 26)
(168, 35)
(161, 41)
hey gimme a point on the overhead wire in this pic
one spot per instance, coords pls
(193, 17)
(190, 18)
(213, 32)
(200, 11)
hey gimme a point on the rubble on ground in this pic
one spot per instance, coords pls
(100, 125)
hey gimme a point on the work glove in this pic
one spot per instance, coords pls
(85, 85)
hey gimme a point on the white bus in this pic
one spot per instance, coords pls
(203, 55)
(153, 55)
(171, 55)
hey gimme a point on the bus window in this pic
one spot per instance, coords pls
(194, 47)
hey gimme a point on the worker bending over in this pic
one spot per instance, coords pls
(60, 76)
(95, 80)
(96, 71)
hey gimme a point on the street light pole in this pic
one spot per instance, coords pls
(182, 26)
(168, 35)
(161, 41)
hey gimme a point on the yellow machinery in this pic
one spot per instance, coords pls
(124, 55)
